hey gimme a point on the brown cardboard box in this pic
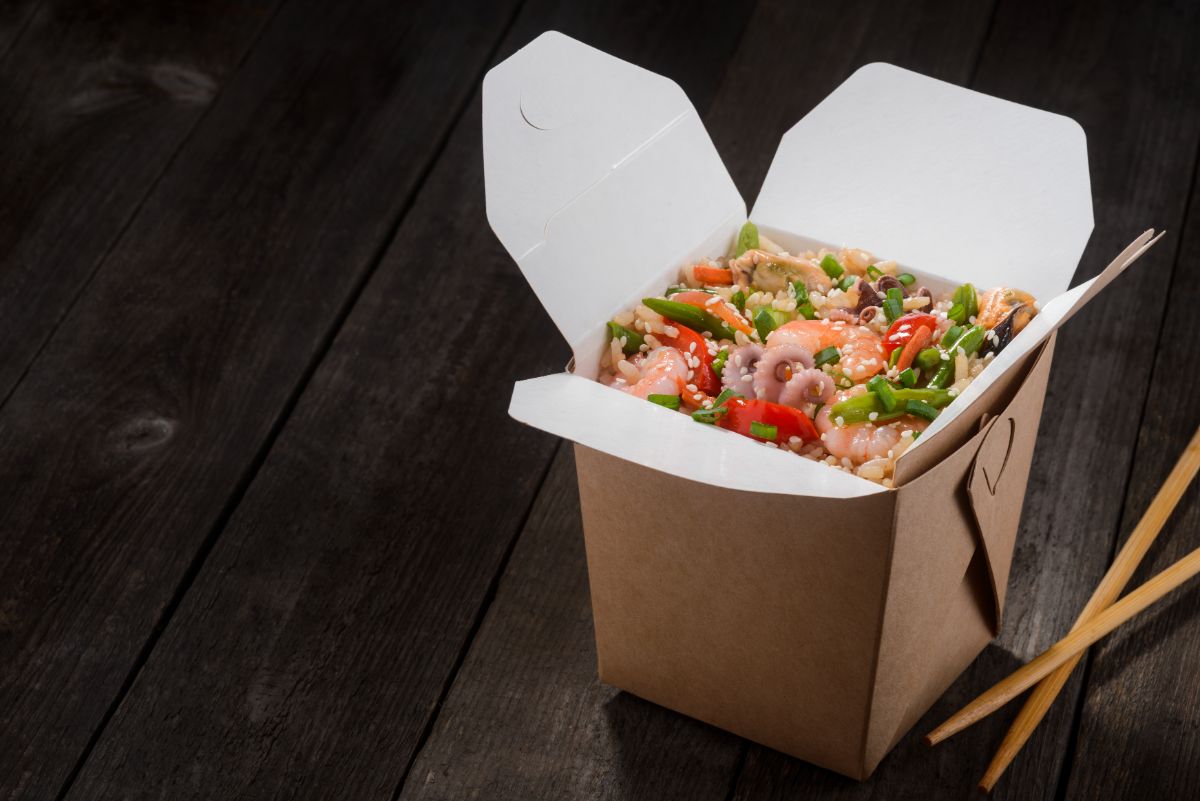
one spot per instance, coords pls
(800, 606)
(819, 627)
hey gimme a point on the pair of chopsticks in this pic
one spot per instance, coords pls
(1102, 614)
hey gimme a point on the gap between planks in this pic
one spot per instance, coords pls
(285, 412)
(151, 186)
(1063, 780)
(476, 623)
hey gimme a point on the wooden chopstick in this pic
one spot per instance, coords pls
(1094, 627)
(1107, 591)
(1074, 643)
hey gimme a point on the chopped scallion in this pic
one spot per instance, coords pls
(908, 377)
(957, 313)
(893, 304)
(920, 409)
(928, 358)
(633, 340)
(883, 391)
(874, 272)
(908, 279)
(718, 362)
(951, 336)
(831, 267)
(801, 292)
(895, 357)
(763, 431)
(828, 355)
(766, 321)
(739, 301)
(670, 401)
(847, 282)
(806, 311)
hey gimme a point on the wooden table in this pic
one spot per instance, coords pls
(267, 528)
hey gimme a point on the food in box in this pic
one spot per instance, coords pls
(805, 608)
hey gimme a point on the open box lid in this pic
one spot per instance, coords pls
(939, 178)
(598, 174)
(601, 180)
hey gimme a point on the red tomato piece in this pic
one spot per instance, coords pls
(788, 422)
(903, 329)
(703, 377)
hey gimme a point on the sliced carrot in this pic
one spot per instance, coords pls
(916, 343)
(712, 276)
(721, 309)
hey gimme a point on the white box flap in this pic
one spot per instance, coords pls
(616, 423)
(598, 173)
(944, 179)
(601, 182)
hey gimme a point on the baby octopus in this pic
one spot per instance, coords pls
(862, 354)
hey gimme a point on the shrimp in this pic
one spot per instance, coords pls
(663, 372)
(862, 442)
(862, 354)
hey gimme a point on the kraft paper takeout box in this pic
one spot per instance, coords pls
(789, 602)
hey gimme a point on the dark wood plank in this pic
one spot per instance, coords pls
(504, 731)
(14, 18)
(146, 414)
(528, 719)
(1127, 80)
(314, 646)
(96, 99)
(1138, 737)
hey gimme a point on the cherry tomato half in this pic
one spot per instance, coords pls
(788, 422)
(903, 329)
(703, 377)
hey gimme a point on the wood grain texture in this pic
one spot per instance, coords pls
(97, 98)
(1143, 699)
(14, 18)
(148, 409)
(529, 719)
(313, 648)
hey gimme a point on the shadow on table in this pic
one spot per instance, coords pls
(911, 770)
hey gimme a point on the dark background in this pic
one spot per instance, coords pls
(267, 530)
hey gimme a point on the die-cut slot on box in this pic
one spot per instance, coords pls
(794, 604)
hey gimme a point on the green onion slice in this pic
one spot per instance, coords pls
(908, 279)
(831, 266)
(718, 362)
(908, 377)
(828, 355)
(883, 390)
(633, 340)
(670, 401)
(920, 409)
(763, 431)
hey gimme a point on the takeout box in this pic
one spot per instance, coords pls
(786, 601)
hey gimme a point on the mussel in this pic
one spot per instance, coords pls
(772, 272)
(1005, 312)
